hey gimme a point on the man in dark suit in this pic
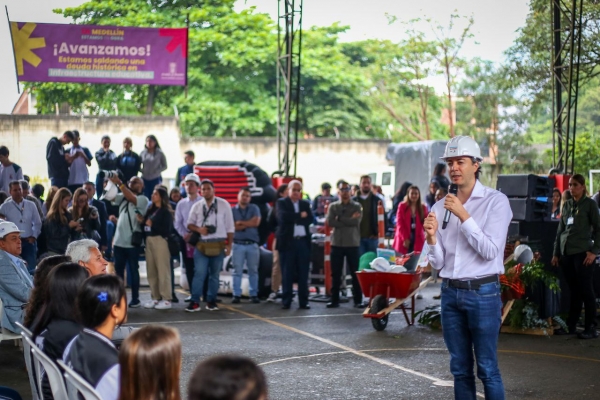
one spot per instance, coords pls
(294, 216)
(90, 189)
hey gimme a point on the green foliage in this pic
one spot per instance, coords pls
(524, 315)
(430, 316)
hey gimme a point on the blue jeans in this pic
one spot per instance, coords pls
(368, 244)
(203, 266)
(124, 256)
(149, 185)
(471, 322)
(29, 254)
(250, 254)
(59, 182)
(99, 185)
(110, 234)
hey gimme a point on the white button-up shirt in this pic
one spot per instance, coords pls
(299, 230)
(475, 248)
(25, 215)
(222, 219)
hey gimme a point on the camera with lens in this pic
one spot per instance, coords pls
(110, 174)
(211, 229)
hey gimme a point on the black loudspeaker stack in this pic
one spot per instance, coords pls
(530, 196)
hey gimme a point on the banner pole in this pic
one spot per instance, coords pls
(187, 50)
(12, 42)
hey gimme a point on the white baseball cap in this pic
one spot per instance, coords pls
(7, 227)
(192, 178)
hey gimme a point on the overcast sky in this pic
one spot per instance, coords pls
(495, 26)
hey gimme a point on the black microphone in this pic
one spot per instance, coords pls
(453, 189)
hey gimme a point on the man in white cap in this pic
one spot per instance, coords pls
(15, 281)
(469, 254)
(182, 213)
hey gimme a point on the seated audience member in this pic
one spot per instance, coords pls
(57, 324)
(85, 252)
(90, 189)
(40, 286)
(38, 191)
(227, 377)
(150, 361)
(49, 198)
(15, 281)
(174, 197)
(86, 215)
(101, 306)
(59, 225)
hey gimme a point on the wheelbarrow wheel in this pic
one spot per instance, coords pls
(379, 303)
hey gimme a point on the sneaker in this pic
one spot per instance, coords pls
(174, 299)
(193, 307)
(437, 296)
(272, 297)
(236, 300)
(163, 305)
(212, 306)
(254, 300)
(188, 299)
(135, 304)
(588, 334)
(150, 304)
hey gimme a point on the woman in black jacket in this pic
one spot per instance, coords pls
(158, 223)
(86, 216)
(57, 324)
(59, 225)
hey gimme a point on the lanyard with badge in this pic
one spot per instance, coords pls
(574, 212)
(21, 210)
(149, 228)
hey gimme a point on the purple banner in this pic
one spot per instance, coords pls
(100, 54)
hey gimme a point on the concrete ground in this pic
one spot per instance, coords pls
(336, 354)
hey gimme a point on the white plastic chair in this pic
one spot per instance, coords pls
(43, 363)
(76, 384)
(26, 333)
(4, 334)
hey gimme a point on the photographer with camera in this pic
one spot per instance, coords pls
(212, 220)
(129, 235)
(86, 216)
(107, 161)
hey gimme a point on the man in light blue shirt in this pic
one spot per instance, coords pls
(15, 281)
(24, 214)
(245, 245)
(182, 213)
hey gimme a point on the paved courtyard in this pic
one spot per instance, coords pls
(336, 354)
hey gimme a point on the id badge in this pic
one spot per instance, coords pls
(147, 228)
(570, 221)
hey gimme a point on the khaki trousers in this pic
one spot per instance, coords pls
(276, 270)
(158, 267)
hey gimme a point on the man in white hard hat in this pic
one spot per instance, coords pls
(182, 213)
(15, 281)
(469, 255)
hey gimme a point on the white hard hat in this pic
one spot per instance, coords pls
(380, 264)
(192, 178)
(462, 146)
(7, 227)
(523, 254)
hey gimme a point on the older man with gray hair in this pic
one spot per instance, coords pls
(294, 216)
(85, 252)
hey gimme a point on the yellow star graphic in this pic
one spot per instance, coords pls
(24, 44)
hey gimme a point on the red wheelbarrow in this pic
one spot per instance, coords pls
(382, 286)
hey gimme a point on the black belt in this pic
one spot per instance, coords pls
(299, 237)
(244, 242)
(473, 284)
